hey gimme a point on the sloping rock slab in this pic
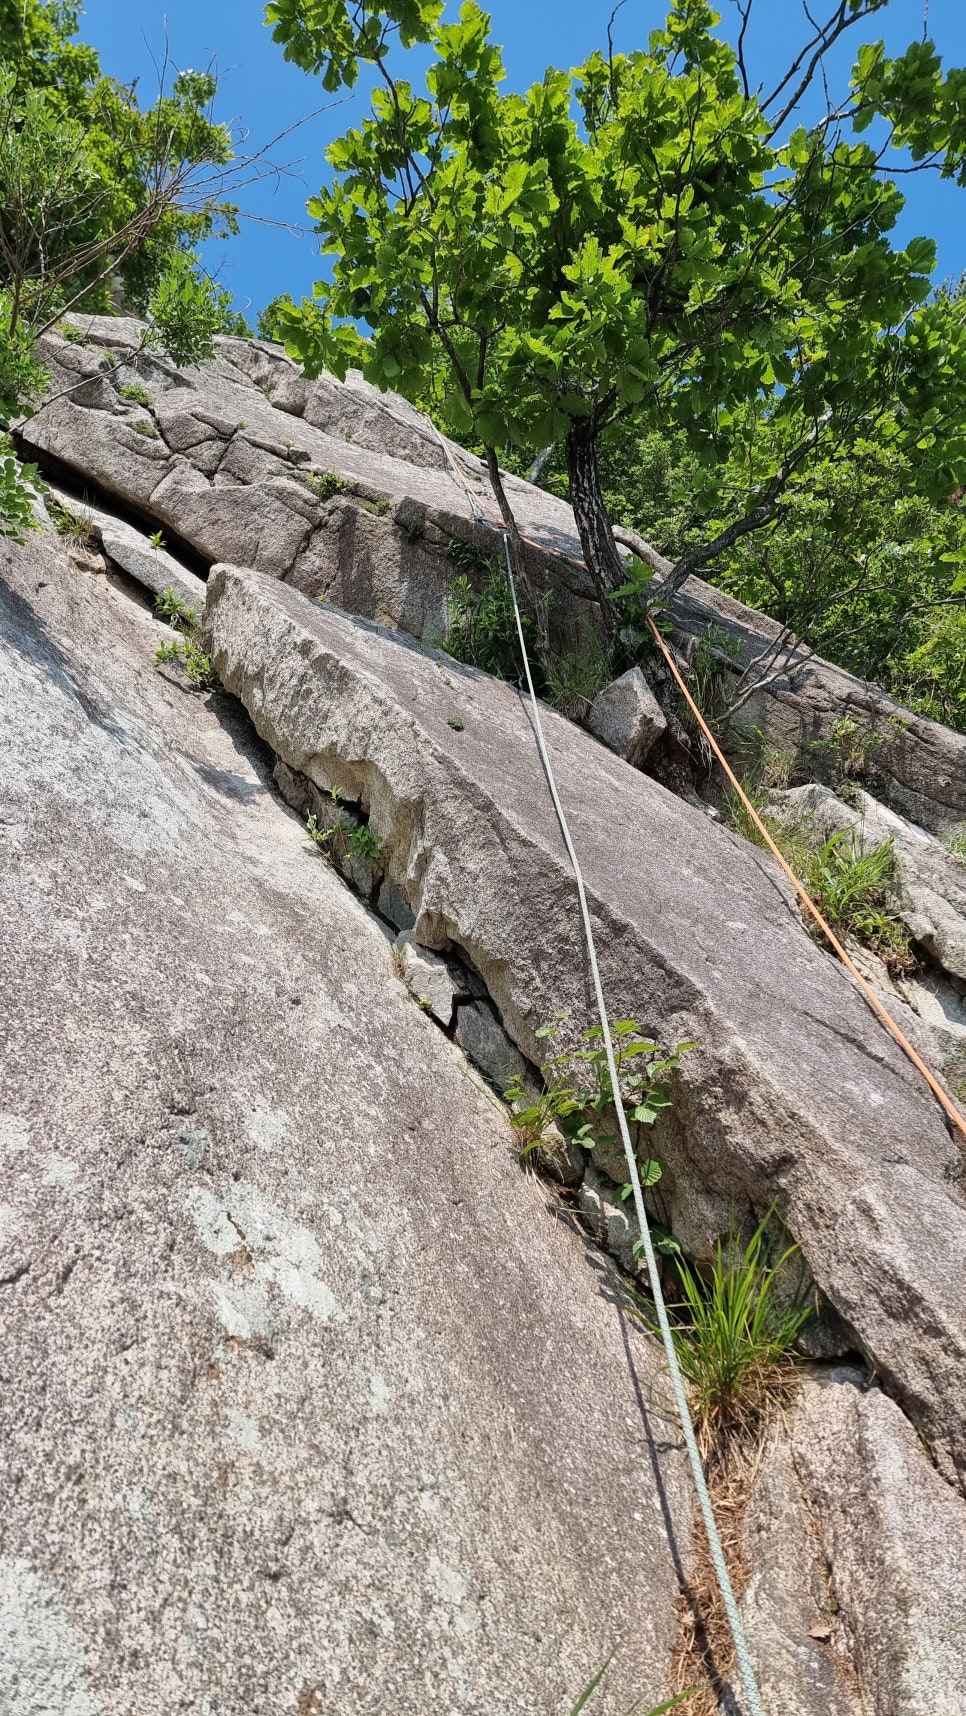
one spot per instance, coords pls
(796, 1094)
(342, 491)
(305, 1404)
(225, 454)
(918, 765)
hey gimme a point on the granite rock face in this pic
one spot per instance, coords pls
(349, 494)
(304, 1402)
(340, 490)
(795, 1095)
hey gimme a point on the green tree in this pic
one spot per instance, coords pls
(101, 201)
(644, 243)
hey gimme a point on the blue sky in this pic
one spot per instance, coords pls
(267, 96)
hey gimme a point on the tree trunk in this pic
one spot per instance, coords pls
(597, 540)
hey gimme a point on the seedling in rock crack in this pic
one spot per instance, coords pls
(196, 664)
(142, 427)
(157, 541)
(353, 842)
(455, 722)
(171, 608)
(326, 484)
(137, 394)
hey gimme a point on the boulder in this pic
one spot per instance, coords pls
(345, 492)
(304, 1401)
(796, 1095)
(351, 495)
(627, 717)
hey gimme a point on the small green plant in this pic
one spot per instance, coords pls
(577, 1099)
(735, 1329)
(70, 331)
(143, 427)
(363, 843)
(17, 495)
(326, 484)
(78, 527)
(378, 508)
(850, 750)
(344, 839)
(186, 653)
(956, 845)
(578, 674)
(137, 394)
(635, 1710)
(413, 532)
(454, 721)
(174, 610)
(157, 541)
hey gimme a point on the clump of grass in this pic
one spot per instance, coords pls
(143, 427)
(739, 818)
(955, 844)
(850, 887)
(69, 331)
(576, 675)
(77, 527)
(186, 653)
(137, 394)
(635, 1710)
(734, 1333)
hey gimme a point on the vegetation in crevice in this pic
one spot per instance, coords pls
(735, 1328)
(185, 651)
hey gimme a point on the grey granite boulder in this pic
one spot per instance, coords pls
(796, 1095)
(627, 717)
(305, 1403)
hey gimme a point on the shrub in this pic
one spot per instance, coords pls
(17, 496)
(482, 629)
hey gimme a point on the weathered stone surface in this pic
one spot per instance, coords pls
(479, 1032)
(919, 765)
(795, 1094)
(241, 437)
(131, 550)
(893, 1536)
(799, 1646)
(304, 1401)
(347, 493)
(627, 717)
(428, 977)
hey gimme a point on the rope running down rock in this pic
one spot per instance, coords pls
(742, 1656)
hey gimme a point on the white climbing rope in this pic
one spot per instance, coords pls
(752, 1694)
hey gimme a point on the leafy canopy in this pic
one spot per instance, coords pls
(635, 242)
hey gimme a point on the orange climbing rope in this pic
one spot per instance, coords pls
(869, 993)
